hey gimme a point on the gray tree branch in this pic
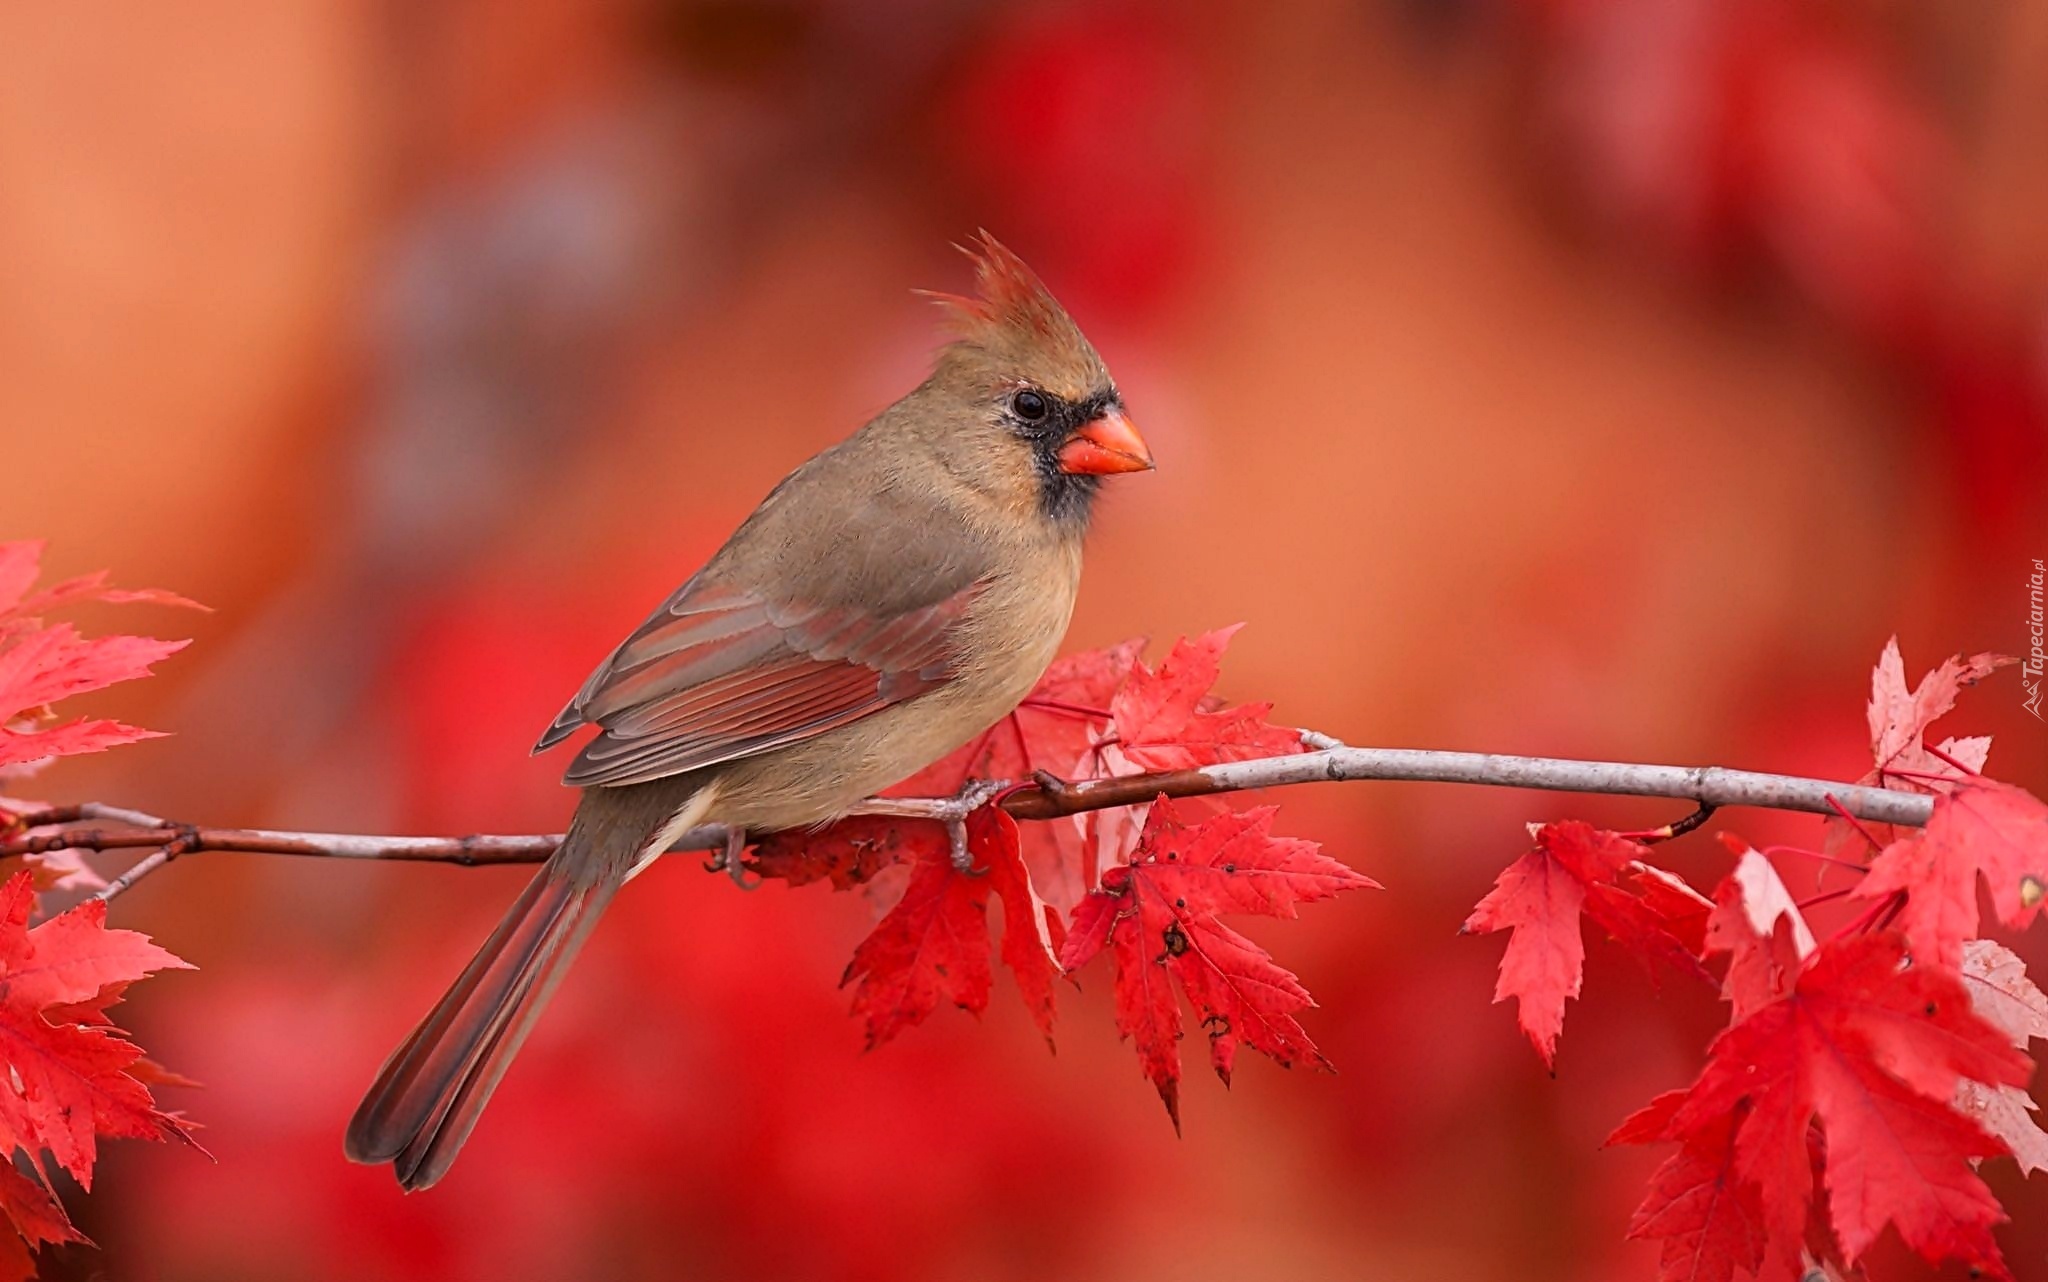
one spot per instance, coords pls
(95, 827)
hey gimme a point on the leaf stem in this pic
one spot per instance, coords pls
(1855, 821)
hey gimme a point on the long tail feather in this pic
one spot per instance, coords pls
(430, 1093)
(433, 1149)
(432, 1090)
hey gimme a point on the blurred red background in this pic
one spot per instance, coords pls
(1579, 377)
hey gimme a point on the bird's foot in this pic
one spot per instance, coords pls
(735, 868)
(951, 811)
(973, 795)
(728, 860)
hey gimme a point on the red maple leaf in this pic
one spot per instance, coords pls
(1572, 869)
(1167, 719)
(1032, 931)
(41, 664)
(2002, 832)
(1937, 908)
(847, 852)
(1158, 915)
(38, 1219)
(1899, 718)
(1709, 1220)
(76, 1079)
(72, 1065)
(1105, 713)
(1682, 910)
(1982, 827)
(1092, 714)
(1872, 1050)
(1756, 922)
(20, 564)
(934, 945)
(2002, 994)
(40, 667)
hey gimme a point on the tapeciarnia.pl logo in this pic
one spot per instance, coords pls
(2031, 667)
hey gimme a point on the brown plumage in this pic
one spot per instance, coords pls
(892, 598)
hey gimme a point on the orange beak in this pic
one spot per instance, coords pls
(1106, 444)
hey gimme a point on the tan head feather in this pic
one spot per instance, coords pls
(1016, 324)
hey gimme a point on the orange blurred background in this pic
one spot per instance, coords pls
(1577, 377)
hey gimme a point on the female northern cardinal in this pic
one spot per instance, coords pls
(891, 599)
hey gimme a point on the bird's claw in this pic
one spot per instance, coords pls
(971, 797)
(728, 861)
(963, 858)
(951, 811)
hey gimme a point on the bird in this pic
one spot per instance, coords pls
(892, 598)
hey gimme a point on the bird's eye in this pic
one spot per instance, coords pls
(1028, 405)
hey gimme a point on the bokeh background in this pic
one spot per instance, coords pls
(1583, 377)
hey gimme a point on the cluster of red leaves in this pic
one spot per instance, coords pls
(1576, 869)
(72, 1077)
(1158, 916)
(41, 663)
(1880, 1065)
(1860, 1079)
(1147, 883)
(75, 1077)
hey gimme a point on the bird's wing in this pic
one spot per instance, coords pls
(720, 673)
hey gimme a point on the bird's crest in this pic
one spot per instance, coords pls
(1013, 314)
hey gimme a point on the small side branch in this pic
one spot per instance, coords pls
(98, 827)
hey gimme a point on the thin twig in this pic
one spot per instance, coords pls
(1048, 798)
(181, 844)
(1677, 827)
